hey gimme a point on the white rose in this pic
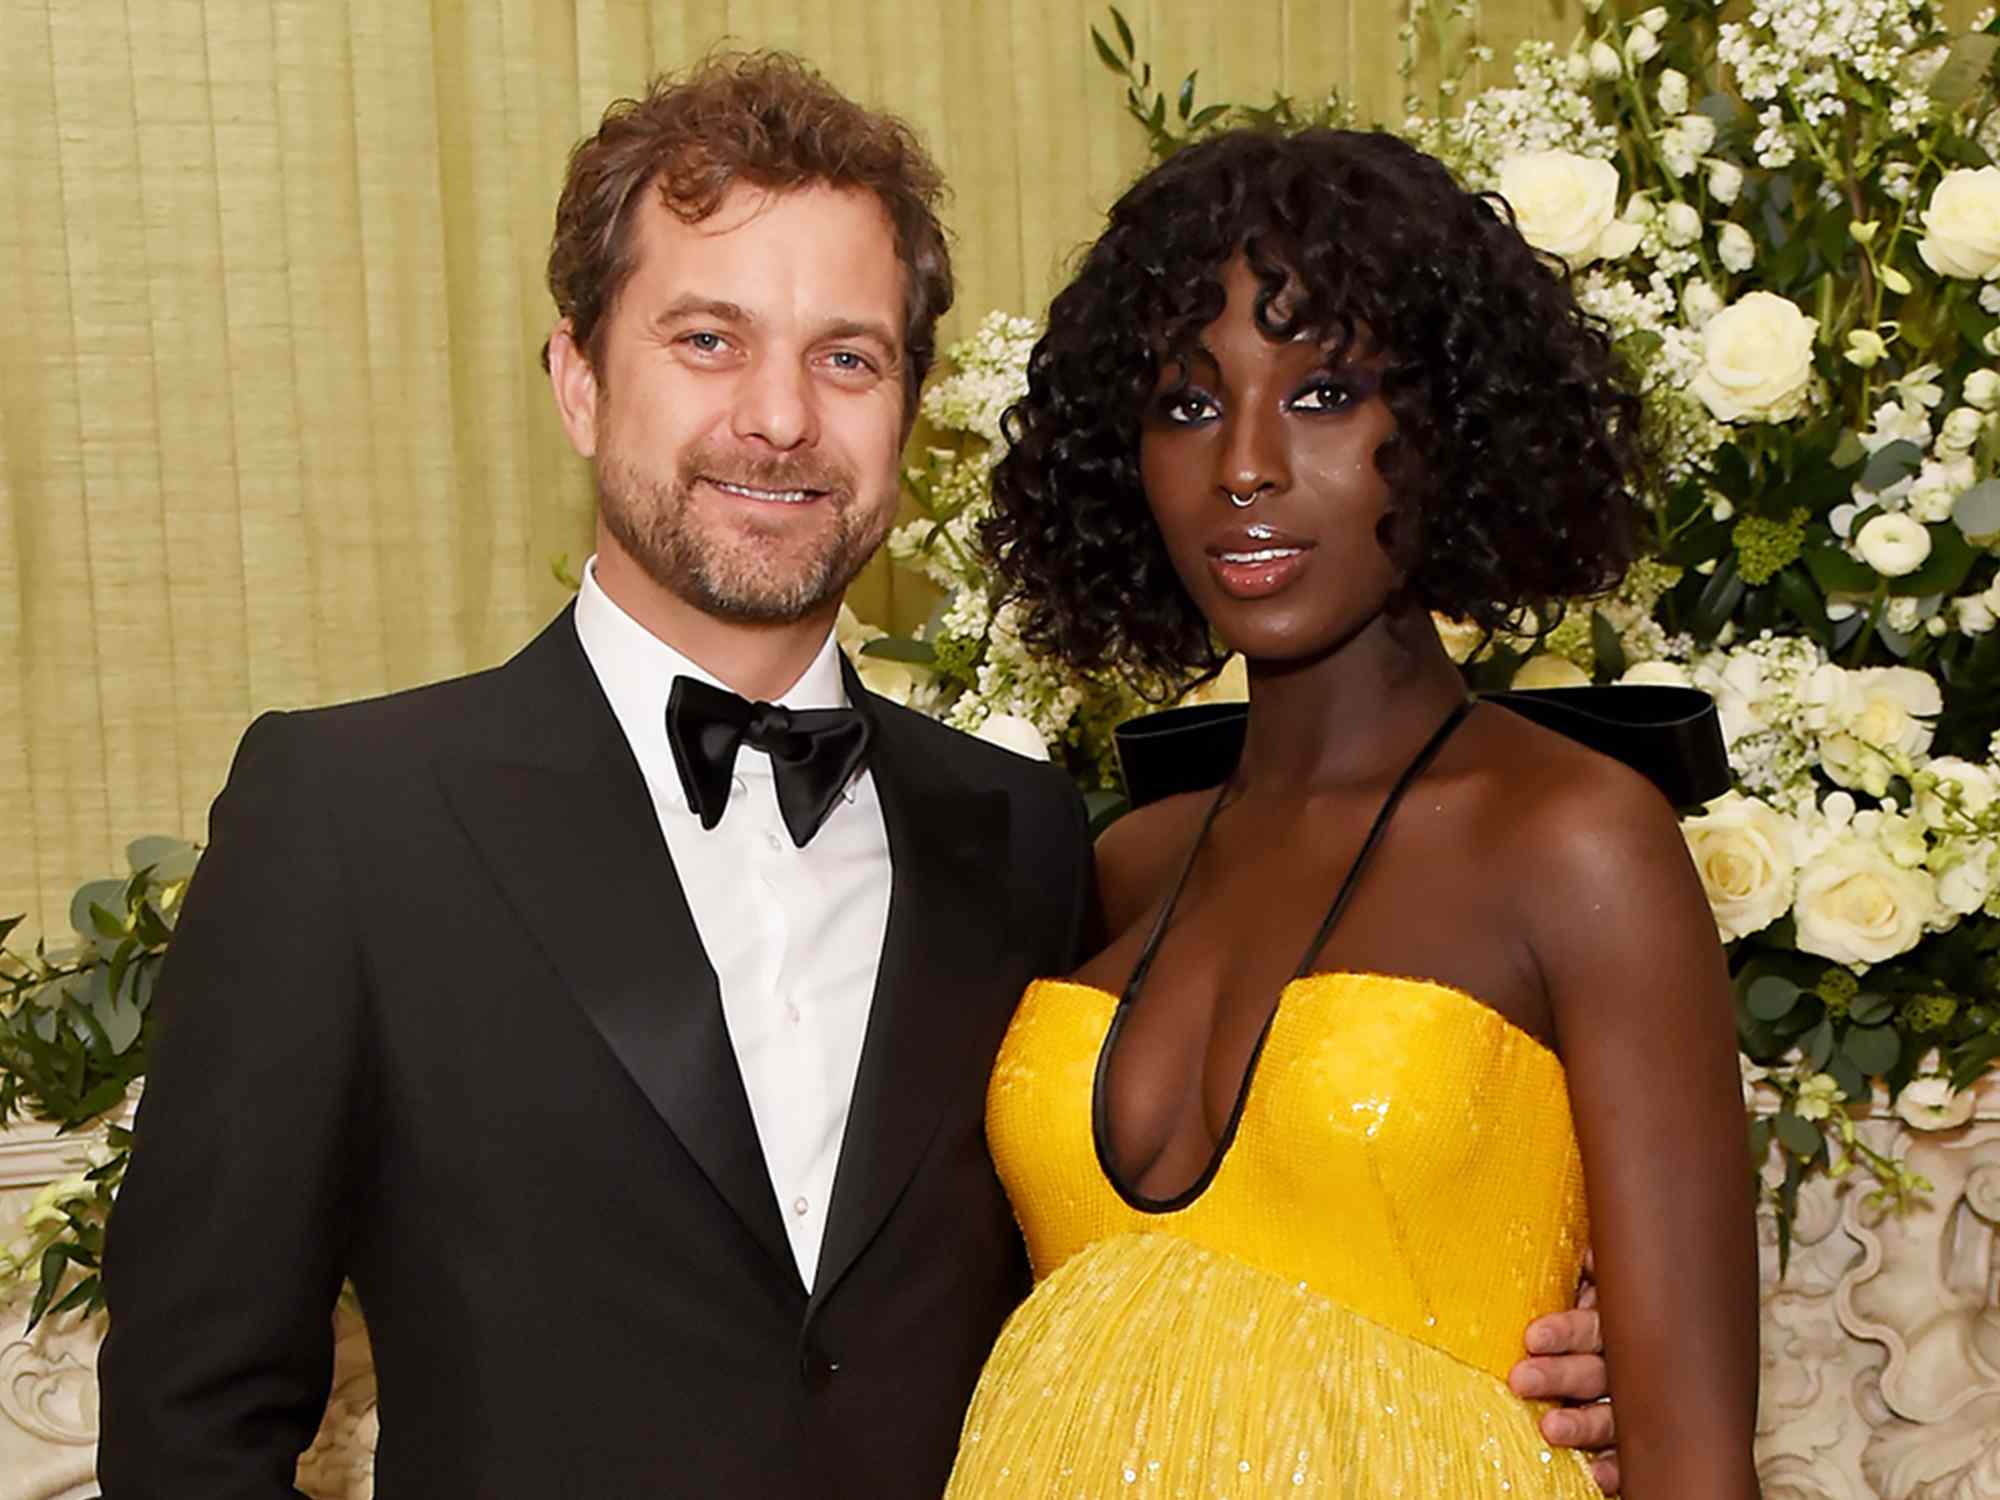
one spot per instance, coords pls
(1893, 544)
(1930, 1104)
(1680, 224)
(1563, 203)
(1656, 674)
(1735, 248)
(1756, 360)
(1012, 732)
(1891, 707)
(1856, 906)
(1982, 390)
(1962, 225)
(1547, 670)
(1700, 302)
(1673, 92)
(1744, 853)
(1725, 181)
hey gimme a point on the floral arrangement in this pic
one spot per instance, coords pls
(74, 1027)
(1790, 223)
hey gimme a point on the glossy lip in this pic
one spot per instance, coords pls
(758, 495)
(1251, 561)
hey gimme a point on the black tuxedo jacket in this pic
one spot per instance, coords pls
(436, 1020)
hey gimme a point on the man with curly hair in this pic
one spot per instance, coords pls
(618, 1022)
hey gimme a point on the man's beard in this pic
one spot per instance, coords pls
(740, 570)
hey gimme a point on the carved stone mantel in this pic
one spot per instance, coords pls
(1881, 1345)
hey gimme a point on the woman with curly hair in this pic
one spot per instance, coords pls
(1426, 997)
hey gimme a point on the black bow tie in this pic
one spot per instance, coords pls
(814, 752)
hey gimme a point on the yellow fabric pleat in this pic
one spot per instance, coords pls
(272, 427)
(1151, 1367)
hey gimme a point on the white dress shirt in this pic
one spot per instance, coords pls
(794, 935)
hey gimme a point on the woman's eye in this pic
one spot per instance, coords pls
(1188, 406)
(1323, 395)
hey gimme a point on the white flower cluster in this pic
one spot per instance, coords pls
(989, 372)
(1548, 109)
(1862, 885)
(985, 678)
(1684, 429)
(1795, 54)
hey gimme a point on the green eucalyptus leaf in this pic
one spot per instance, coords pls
(1817, 1045)
(1890, 463)
(108, 894)
(1771, 996)
(1853, 1083)
(169, 859)
(1870, 1009)
(1977, 511)
(1965, 68)
(1800, 1137)
(899, 648)
(1872, 1049)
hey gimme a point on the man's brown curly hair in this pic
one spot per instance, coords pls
(763, 118)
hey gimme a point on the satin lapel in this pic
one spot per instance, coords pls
(948, 918)
(562, 817)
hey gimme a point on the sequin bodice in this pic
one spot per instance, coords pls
(1402, 1150)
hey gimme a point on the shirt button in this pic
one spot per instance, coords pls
(799, 1206)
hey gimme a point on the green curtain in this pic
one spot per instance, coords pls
(272, 430)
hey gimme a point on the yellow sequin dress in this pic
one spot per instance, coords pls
(1331, 1310)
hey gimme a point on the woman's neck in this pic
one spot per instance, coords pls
(1352, 716)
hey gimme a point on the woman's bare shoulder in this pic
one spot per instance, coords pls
(1139, 855)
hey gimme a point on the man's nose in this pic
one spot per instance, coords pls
(775, 405)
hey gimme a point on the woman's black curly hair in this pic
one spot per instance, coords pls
(1516, 449)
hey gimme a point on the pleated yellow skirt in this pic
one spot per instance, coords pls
(1149, 1366)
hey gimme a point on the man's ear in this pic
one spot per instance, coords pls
(574, 383)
